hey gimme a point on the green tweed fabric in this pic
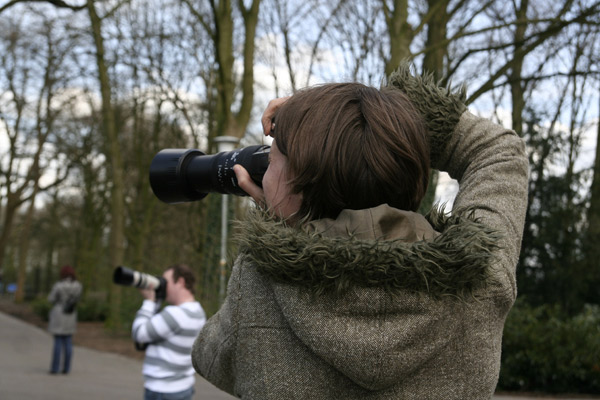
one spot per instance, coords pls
(381, 303)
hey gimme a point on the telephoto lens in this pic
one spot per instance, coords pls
(180, 175)
(128, 277)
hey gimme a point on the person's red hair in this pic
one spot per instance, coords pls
(67, 272)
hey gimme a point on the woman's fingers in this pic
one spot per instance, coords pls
(269, 113)
(248, 185)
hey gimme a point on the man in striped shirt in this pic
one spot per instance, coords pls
(169, 336)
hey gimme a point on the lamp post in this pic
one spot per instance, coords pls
(224, 143)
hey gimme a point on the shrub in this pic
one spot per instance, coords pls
(544, 350)
(89, 309)
(41, 307)
(92, 309)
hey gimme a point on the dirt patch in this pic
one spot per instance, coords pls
(92, 335)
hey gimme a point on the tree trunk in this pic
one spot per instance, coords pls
(24, 248)
(594, 210)
(516, 86)
(113, 155)
(433, 63)
(223, 37)
(9, 214)
(592, 237)
(400, 33)
(434, 59)
(229, 123)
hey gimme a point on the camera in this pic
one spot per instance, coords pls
(179, 175)
(128, 277)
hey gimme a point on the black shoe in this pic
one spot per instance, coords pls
(52, 372)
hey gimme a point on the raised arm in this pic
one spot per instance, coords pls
(149, 327)
(488, 161)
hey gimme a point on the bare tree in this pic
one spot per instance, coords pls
(287, 44)
(33, 83)
(226, 33)
(540, 31)
(113, 153)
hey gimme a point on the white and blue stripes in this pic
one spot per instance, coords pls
(170, 335)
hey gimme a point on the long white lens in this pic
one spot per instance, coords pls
(145, 281)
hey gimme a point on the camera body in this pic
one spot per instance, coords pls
(129, 277)
(180, 175)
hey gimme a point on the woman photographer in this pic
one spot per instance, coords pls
(341, 290)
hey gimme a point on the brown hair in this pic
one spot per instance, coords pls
(350, 146)
(185, 272)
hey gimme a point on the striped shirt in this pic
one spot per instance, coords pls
(170, 335)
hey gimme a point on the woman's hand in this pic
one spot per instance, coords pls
(269, 113)
(243, 177)
(248, 185)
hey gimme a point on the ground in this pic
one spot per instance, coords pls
(92, 335)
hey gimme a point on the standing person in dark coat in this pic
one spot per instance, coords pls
(63, 318)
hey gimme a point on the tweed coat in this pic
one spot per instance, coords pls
(381, 303)
(60, 322)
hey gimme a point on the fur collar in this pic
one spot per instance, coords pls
(456, 262)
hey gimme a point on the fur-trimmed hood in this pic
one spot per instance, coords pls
(373, 293)
(438, 255)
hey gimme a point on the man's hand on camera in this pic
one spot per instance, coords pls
(269, 113)
(148, 294)
(248, 185)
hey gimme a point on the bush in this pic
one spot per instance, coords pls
(92, 309)
(544, 350)
(41, 307)
(89, 309)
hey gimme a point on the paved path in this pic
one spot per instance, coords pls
(25, 352)
(25, 357)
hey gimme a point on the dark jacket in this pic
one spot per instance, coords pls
(381, 303)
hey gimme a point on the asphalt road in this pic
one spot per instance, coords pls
(25, 358)
(25, 352)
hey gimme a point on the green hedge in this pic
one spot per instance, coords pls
(89, 309)
(545, 351)
(41, 307)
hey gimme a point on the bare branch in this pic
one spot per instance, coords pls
(552, 30)
(56, 3)
(202, 20)
(112, 11)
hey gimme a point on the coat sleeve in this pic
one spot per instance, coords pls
(488, 161)
(53, 297)
(491, 167)
(214, 351)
